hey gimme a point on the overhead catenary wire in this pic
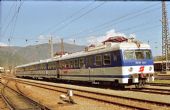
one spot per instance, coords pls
(102, 28)
(151, 6)
(16, 12)
(9, 12)
(15, 21)
(67, 18)
(32, 39)
(110, 23)
(139, 25)
(122, 30)
(147, 28)
(73, 20)
(4, 29)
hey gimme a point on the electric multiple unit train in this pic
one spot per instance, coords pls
(117, 60)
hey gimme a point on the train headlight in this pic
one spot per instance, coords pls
(150, 68)
(130, 69)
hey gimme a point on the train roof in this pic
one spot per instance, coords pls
(156, 62)
(96, 49)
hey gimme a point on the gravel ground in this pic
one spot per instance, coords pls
(159, 87)
(51, 98)
(18, 100)
(54, 101)
(3, 106)
(131, 94)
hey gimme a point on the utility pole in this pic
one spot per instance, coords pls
(165, 37)
(9, 59)
(51, 46)
(62, 46)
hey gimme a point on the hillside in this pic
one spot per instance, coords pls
(20, 55)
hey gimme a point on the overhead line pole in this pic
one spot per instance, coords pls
(51, 46)
(165, 37)
(62, 46)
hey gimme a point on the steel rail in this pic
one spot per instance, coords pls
(43, 107)
(159, 84)
(152, 91)
(8, 103)
(41, 85)
(88, 97)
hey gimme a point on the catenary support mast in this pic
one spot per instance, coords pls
(165, 36)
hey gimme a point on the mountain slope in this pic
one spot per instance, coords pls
(21, 55)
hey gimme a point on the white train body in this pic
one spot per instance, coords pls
(120, 62)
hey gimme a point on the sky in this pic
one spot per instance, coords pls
(26, 23)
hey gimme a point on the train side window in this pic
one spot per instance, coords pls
(67, 64)
(81, 62)
(76, 63)
(106, 59)
(62, 64)
(115, 57)
(71, 63)
(98, 60)
(54, 65)
(41, 66)
(90, 61)
(49, 66)
(57, 65)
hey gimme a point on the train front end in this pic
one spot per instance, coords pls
(137, 64)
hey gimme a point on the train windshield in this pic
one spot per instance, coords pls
(137, 54)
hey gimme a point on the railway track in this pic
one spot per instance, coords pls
(152, 91)
(7, 102)
(127, 102)
(13, 106)
(160, 84)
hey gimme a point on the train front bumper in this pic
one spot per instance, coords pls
(134, 78)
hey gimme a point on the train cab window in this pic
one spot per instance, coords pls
(128, 54)
(139, 55)
(106, 59)
(148, 54)
(98, 59)
(81, 63)
(76, 63)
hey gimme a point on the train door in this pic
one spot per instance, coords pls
(116, 66)
(58, 69)
(89, 65)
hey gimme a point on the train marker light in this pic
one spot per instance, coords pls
(130, 69)
(150, 68)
